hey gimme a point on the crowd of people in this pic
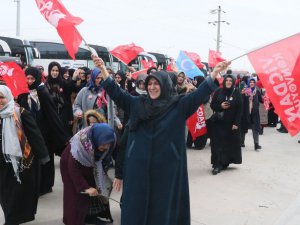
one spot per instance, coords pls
(65, 114)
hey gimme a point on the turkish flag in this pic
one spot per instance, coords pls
(278, 68)
(14, 77)
(126, 53)
(58, 16)
(135, 74)
(214, 58)
(195, 58)
(196, 123)
(148, 64)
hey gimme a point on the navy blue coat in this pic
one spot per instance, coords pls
(156, 190)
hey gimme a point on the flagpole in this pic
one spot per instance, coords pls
(261, 47)
(89, 48)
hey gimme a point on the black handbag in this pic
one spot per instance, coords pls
(217, 116)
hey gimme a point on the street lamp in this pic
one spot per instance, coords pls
(218, 24)
(18, 17)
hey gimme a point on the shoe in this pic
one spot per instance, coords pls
(261, 131)
(282, 130)
(243, 145)
(257, 147)
(225, 166)
(215, 171)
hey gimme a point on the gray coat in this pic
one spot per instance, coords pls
(85, 100)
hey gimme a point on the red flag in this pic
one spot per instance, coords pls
(278, 67)
(195, 58)
(135, 74)
(148, 64)
(171, 66)
(14, 77)
(196, 123)
(58, 16)
(126, 53)
(214, 57)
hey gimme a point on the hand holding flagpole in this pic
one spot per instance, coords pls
(99, 63)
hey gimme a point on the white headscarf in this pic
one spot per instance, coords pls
(11, 147)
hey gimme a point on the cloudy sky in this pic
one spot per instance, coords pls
(167, 26)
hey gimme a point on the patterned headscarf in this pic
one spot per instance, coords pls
(84, 146)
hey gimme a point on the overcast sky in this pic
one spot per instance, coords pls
(167, 26)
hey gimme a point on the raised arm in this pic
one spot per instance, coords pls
(119, 96)
(190, 103)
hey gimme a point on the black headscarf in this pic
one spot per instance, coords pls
(123, 77)
(153, 108)
(228, 91)
(199, 80)
(33, 71)
(54, 84)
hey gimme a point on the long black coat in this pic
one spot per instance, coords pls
(225, 142)
(253, 118)
(156, 190)
(48, 120)
(19, 200)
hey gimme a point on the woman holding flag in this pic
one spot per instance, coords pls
(156, 189)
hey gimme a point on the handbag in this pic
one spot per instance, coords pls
(217, 116)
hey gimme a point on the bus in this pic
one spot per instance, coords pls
(137, 62)
(162, 60)
(17, 47)
(49, 51)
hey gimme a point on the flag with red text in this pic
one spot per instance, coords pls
(278, 67)
(196, 123)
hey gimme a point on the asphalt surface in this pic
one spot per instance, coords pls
(264, 190)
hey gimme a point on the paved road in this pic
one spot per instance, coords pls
(264, 190)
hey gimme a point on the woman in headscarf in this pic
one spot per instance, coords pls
(42, 106)
(250, 114)
(92, 97)
(21, 147)
(181, 85)
(60, 90)
(120, 78)
(225, 133)
(86, 184)
(140, 85)
(155, 175)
